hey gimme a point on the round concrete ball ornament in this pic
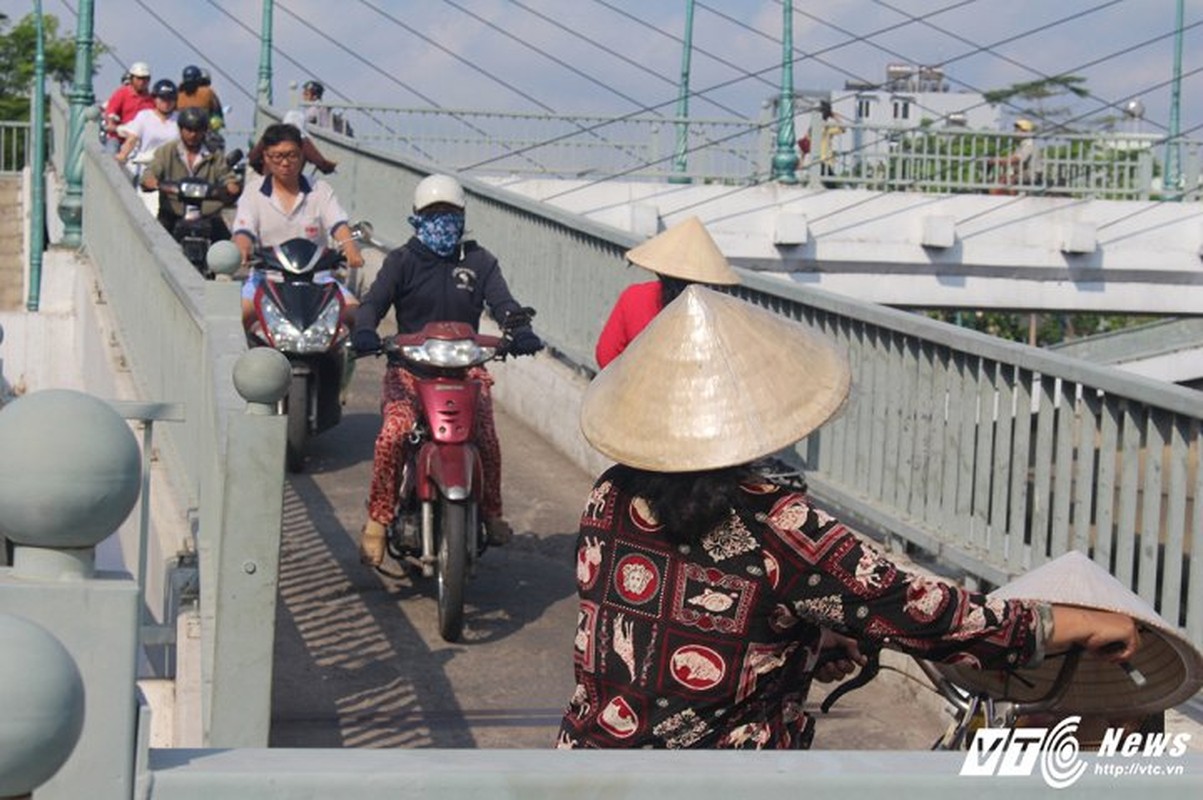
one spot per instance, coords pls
(42, 695)
(70, 470)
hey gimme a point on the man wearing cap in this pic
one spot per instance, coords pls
(125, 103)
(707, 590)
(679, 256)
(190, 157)
(1020, 166)
(319, 115)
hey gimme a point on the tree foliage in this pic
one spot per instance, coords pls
(18, 47)
(1031, 97)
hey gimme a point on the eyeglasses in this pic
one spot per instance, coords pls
(280, 158)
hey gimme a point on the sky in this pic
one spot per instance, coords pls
(615, 56)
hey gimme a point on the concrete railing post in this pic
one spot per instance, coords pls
(241, 556)
(69, 479)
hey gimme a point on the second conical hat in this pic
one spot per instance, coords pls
(713, 382)
(1172, 667)
(685, 251)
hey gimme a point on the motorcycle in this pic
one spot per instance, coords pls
(193, 230)
(437, 526)
(303, 319)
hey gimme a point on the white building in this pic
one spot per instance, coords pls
(912, 96)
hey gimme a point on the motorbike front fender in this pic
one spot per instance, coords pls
(450, 470)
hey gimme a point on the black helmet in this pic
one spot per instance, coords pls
(315, 87)
(191, 74)
(193, 118)
(164, 88)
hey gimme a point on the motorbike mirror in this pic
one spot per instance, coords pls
(362, 230)
(233, 157)
(223, 258)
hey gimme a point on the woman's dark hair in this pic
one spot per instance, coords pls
(688, 504)
(280, 132)
(671, 287)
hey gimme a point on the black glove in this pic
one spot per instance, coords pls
(365, 340)
(524, 342)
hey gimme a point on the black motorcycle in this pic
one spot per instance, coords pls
(303, 319)
(193, 230)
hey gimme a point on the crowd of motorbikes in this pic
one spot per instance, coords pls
(438, 530)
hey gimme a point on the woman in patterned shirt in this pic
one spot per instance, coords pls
(707, 592)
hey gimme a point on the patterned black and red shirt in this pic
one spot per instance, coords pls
(715, 644)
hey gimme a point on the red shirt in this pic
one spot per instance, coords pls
(636, 307)
(125, 103)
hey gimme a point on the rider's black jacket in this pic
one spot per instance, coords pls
(423, 287)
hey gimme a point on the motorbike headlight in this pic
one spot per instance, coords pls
(448, 353)
(318, 336)
(288, 337)
(194, 190)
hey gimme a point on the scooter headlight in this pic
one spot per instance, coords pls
(287, 336)
(448, 353)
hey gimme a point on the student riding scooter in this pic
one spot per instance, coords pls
(300, 313)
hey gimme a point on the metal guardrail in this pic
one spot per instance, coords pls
(884, 158)
(15, 146)
(565, 145)
(1108, 166)
(999, 457)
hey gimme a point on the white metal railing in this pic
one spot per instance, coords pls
(1113, 166)
(1106, 165)
(999, 457)
(14, 146)
(565, 145)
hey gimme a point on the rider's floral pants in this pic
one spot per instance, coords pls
(400, 408)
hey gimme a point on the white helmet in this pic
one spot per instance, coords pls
(438, 189)
(139, 69)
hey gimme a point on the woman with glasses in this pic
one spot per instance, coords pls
(283, 205)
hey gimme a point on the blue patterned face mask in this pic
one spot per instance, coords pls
(440, 232)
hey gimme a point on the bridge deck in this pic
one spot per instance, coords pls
(359, 662)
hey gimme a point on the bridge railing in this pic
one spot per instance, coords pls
(999, 457)
(640, 145)
(14, 146)
(1111, 166)
(179, 337)
(992, 455)
(1105, 165)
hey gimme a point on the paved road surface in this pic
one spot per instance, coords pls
(359, 662)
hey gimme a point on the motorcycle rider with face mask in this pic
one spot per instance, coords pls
(435, 276)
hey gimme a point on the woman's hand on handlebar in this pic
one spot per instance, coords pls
(839, 656)
(1108, 635)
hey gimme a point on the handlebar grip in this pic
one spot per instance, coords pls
(867, 673)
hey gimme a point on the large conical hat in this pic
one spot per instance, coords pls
(1171, 665)
(713, 382)
(685, 251)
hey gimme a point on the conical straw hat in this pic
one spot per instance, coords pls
(1171, 665)
(685, 251)
(713, 382)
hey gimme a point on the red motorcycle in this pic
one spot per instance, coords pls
(437, 526)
